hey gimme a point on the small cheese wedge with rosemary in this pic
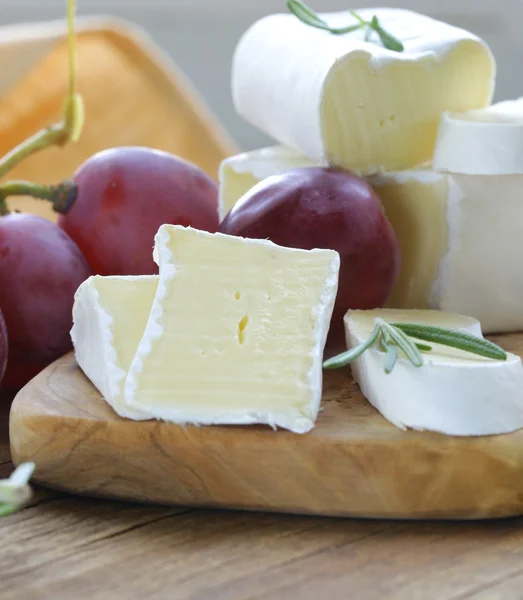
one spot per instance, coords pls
(430, 370)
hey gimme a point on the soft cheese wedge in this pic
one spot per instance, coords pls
(482, 142)
(351, 102)
(236, 332)
(109, 319)
(452, 392)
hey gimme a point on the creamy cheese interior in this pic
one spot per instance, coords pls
(234, 187)
(364, 321)
(236, 333)
(361, 324)
(239, 173)
(415, 203)
(351, 102)
(128, 301)
(110, 315)
(387, 118)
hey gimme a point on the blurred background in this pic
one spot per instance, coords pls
(200, 36)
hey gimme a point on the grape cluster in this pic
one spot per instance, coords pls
(120, 197)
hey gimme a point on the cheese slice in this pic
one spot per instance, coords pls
(453, 392)
(236, 332)
(109, 319)
(482, 142)
(353, 103)
(238, 174)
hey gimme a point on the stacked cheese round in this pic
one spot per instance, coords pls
(346, 101)
(349, 101)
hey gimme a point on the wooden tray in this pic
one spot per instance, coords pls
(354, 463)
(133, 93)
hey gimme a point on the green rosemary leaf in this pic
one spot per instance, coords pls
(455, 339)
(387, 39)
(382, 343)
(342, 360)
(358, 18)
(342, 30)
(390, 358)
(303, 7)
(390, 349)
(423, 347)
(405, 344)
(303, 12)
(306, 14)
(359, 25)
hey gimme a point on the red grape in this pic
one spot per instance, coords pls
(40, 270)
(124, 195)
(317, 207)
(3, 346)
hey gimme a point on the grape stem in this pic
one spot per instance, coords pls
(68, 130)
(62, 195)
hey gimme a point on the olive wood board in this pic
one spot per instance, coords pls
(353, 463)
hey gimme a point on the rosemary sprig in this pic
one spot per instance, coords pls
(390, 349)
(15, 491)
(309, 17)
(392, 337)
(454, 339)
(345, 358)
(407, 346)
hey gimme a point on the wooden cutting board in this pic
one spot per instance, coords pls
(133, 95)
(354, 463)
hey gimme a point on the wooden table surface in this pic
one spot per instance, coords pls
(63, 547)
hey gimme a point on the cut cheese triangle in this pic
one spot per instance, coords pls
(109, 319)
(236, 333)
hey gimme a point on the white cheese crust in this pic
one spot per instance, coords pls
(453, 393)
(482, 142)
(236, 332)
(344, 101)
(109, 317)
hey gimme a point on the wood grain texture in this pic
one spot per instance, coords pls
(354, 463)
(65, 547)
(130, 98)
